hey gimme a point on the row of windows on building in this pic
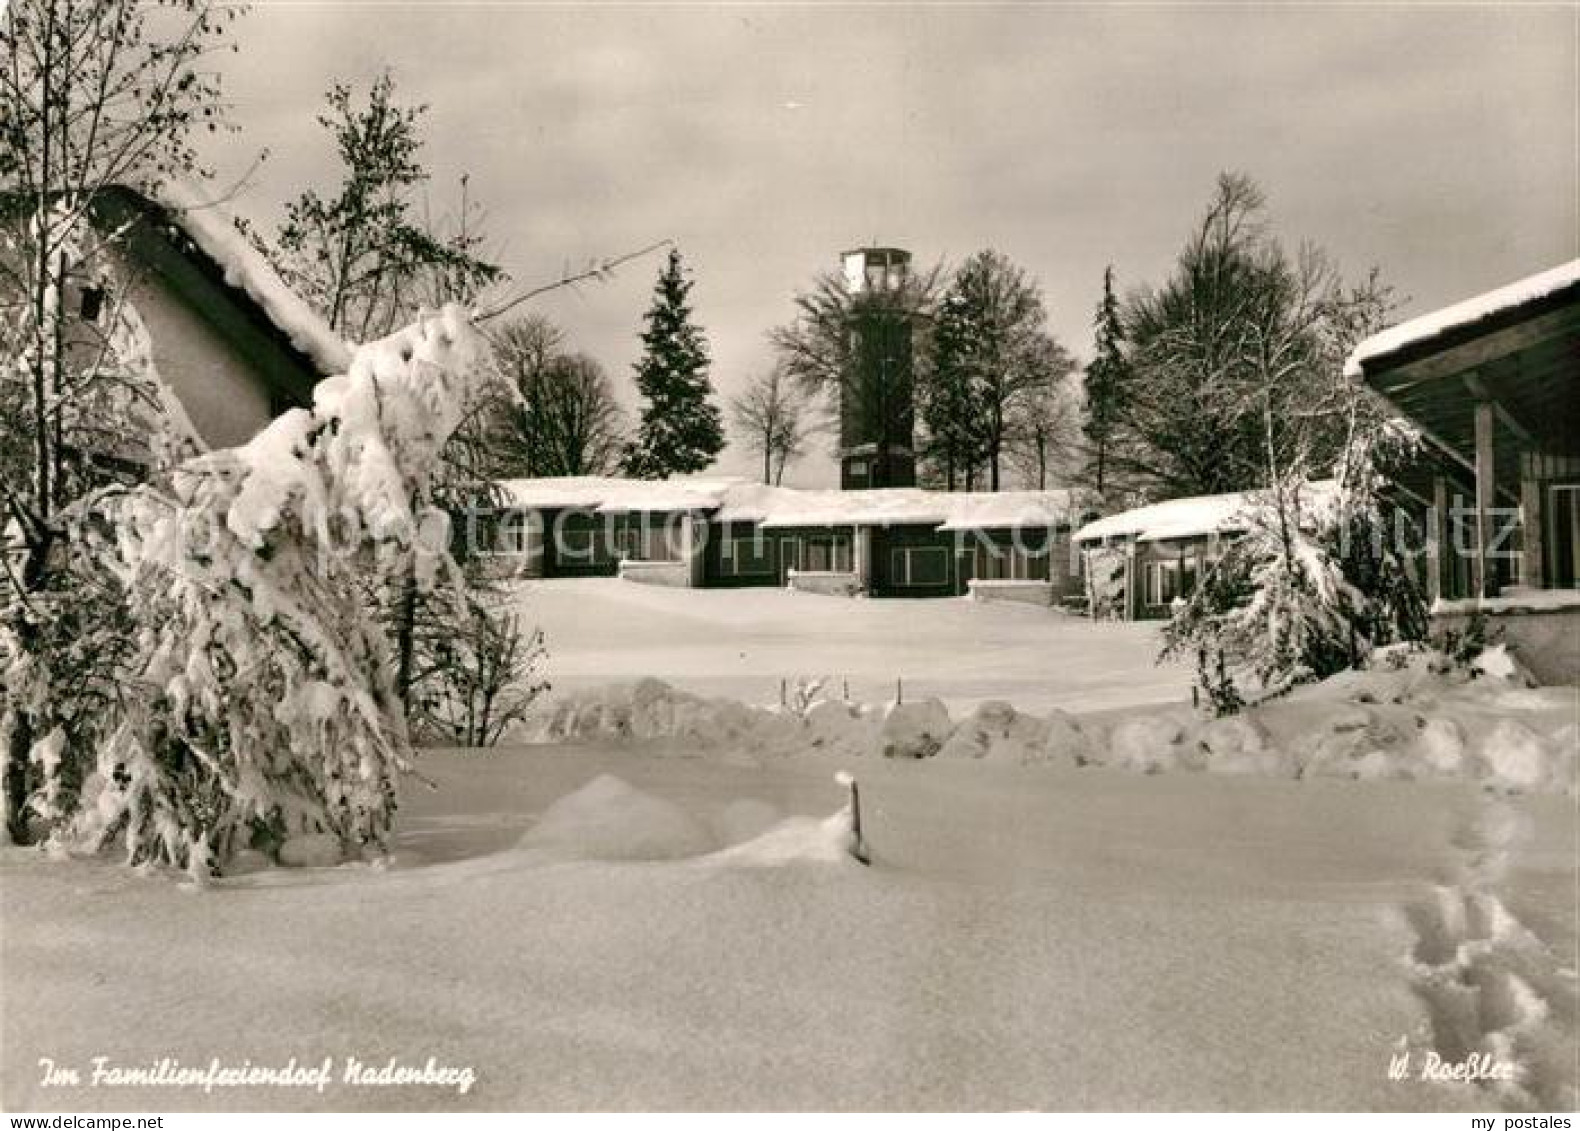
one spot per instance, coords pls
(753, 555)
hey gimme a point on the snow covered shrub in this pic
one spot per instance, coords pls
(1309, 590)
(478, 671)
(1104, 571)
(63, 650)
(915, 730)
(1462, 646)
(803, 693)
(63, 626)
(261, 704)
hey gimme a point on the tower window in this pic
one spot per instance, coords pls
(92, 303)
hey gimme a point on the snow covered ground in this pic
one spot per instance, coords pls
(740, 643)
(561, 921)
(1061, 912)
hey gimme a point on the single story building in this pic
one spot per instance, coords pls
(728, 533)
(1492, 384)
(1138, 562)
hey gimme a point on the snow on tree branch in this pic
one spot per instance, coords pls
(261, 703)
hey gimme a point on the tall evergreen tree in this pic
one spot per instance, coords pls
(682, 429)
(1105, 383)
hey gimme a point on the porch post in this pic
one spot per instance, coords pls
(861, 555)
(1437, 543)
(1132, 598)
(691, 548)
(1532, 552)
(1485, 574)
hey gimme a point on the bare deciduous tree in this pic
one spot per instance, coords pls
(1044, 438)
(563, 418)
(773, 417)
(819, 351)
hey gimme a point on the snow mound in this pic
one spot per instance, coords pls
(651, 709)
(997, 732)
(1068, 742)
(838, 727)
(1514, 755)
(795, 840)
(610, 820)
(1498, 663)
(915, 730)
(607, 819)
(1152, 744)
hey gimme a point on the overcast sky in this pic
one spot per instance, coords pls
(1440, 144)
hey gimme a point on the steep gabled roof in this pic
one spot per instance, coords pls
(205, 233)
(243, 268)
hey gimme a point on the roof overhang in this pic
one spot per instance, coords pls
(1517, 348)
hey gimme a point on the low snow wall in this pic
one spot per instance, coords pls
(1024, 592)
(828, 584)
(1411, 717)
(676, 575)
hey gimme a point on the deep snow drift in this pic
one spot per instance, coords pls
(599, 928)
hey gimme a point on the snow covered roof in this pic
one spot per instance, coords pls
(737, 500)
(609, 495)
(883, 506)
(212, 229)
(1462, 314)
(1003, 510)
(1188, 518)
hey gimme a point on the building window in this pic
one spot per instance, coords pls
(584, 545)
(643, 540)
(826, 554)
(627, 541)
(913, 566)
(744, 557)
(1011, 563)
(92, 303)
(1170, 578)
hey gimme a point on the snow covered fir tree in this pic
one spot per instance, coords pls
(682, 428)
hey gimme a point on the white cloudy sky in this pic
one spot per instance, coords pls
(1440, 143)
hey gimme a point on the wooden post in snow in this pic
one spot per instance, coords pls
(858, 843)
